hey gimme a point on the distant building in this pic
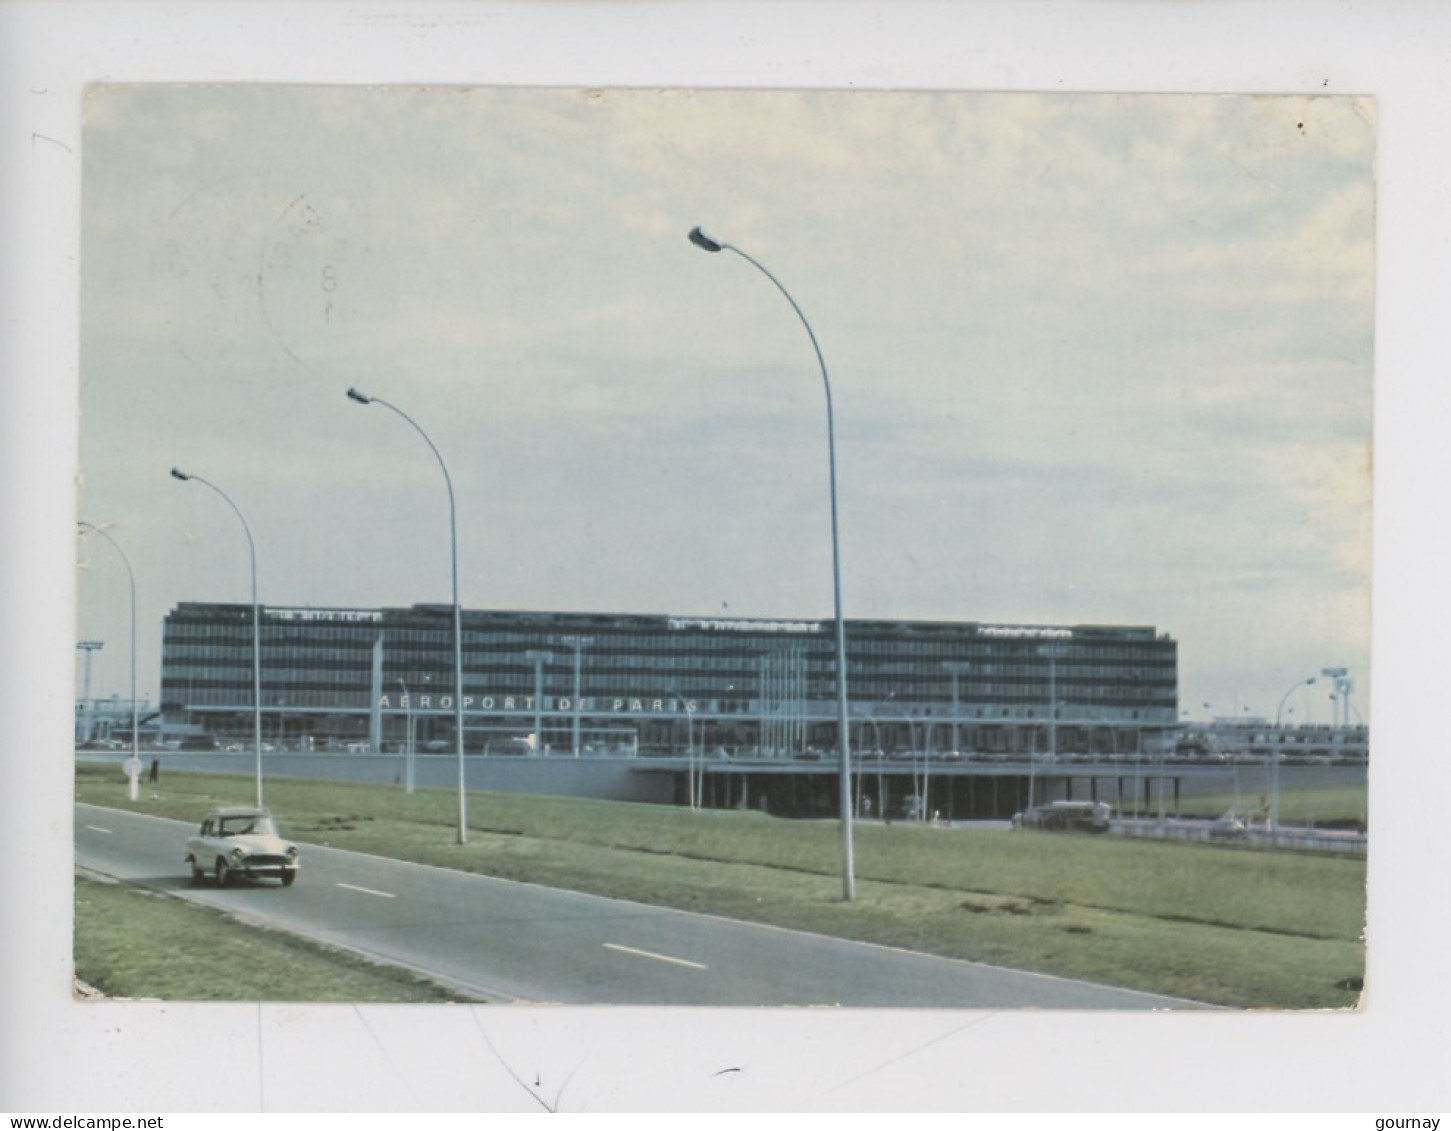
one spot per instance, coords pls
(368, 678)
(1258, 740)
(102, 723)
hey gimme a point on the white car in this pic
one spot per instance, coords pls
(241, 841)
(1231, 826)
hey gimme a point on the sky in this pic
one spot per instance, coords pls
(1094, 359)
(1194, 255)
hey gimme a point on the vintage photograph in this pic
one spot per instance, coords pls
(704, 547)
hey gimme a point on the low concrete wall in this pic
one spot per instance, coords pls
(611, 778)
(802, 788)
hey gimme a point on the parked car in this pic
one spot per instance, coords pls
(1066, 816)
(241, 841)
(1228, 827)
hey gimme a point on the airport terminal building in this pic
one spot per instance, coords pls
(552, 683)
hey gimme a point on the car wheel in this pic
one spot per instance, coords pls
(197, 874)
(287, 878)
(224, 873)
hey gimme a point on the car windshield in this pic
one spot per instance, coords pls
(247, 824)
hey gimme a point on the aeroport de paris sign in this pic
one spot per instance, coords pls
(523, 704)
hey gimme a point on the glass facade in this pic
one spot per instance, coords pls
(657, 684)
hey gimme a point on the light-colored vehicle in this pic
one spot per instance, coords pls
(1067, 816)
(1231, 826)
(241, 841)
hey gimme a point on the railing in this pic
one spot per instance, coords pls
(1300, 837)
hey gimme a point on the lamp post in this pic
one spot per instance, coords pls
(256, 621)
(878, 756)
(134, 765)
(706, 243)
(539, 659)
(690, 752)
(926, 771)
(458, 634)
(408, 743)
(1340, 696)
(1053, 653)
(956, 669)
(686, 707)
(914, 749)
(579, 644)
(85, 709)
(1275, 758)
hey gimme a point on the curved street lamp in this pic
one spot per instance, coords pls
(256, 622)
(706, 243)
(1275, 760)
(458, 634)
(134, 766)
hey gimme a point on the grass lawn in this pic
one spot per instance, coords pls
(134, 943)
(1230, 925)
(1324, 805)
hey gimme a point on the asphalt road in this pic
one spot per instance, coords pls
(506, 941)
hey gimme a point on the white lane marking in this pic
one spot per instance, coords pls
(98, 829)
(367, 891)
(652, 954)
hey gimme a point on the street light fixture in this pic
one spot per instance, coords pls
(1052, 653)
(579, 644)
(956, 669)
(409, 752)
(706, 243)
(176, 473)
(685, 705)
(1275, 758)
(1299, 683)
(539, 659)
(133, 768)
(693, 776)
(85, 708)
(1340, 696)
(458, 635)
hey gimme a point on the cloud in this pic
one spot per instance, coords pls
(1092, 357)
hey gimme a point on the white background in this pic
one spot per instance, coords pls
(60, 1056)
